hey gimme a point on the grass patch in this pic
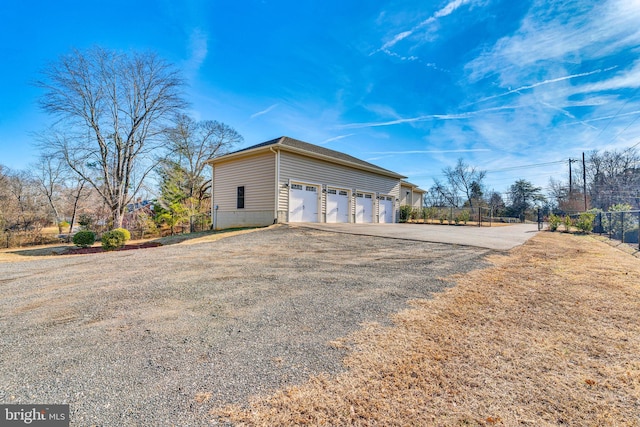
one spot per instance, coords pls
(9, 255)
(548, 335)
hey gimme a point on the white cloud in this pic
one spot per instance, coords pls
(460, 116)
(545, 82)
(265, 111)
(462, 150)
(198, 49)
(556, 32)
(448, 9)
(335, 138)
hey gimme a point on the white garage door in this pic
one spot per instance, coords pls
(364, 207)
(337, 205)
(386, 209)
(303, 203)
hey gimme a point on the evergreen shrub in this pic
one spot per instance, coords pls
(84, 238)
(112, 240)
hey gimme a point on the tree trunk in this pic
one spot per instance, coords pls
(75, 210)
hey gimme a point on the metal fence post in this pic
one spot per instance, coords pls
(600, 229)
(622, 226)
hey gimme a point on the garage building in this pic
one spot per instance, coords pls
(287, 180)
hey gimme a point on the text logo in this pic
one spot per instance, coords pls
(34, 415)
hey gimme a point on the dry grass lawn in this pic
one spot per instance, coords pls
(548, 335)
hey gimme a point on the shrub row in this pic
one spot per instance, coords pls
(584, 223)
(110, 240)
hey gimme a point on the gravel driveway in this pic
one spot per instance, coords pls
(158, 337)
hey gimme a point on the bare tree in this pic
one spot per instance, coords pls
(25, 206)
(111, 109)
(614, 178)
(49, 174)
(191, 144)
(444, 195)
(467, 180)
(75, 192)
(4, 197)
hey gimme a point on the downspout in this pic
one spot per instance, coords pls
(213, 212)
(277, 193)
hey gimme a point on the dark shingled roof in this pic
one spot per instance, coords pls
(285, 141)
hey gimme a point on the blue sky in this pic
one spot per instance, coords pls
(408, 85)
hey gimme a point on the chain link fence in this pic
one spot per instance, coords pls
(481, 217)
(622, 226)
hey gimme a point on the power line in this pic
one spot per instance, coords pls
(617, 114)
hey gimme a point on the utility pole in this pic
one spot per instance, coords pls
(570, 177)
(584, 181)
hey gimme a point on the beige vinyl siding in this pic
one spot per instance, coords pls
(405, 198)
(414, 198)
(417, 199)
(300, 168)
(257, 175)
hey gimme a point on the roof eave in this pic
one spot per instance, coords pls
(239, 154)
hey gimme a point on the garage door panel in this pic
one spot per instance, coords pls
(364, 207)
(386, 209)
(303, 203)
(337, 205)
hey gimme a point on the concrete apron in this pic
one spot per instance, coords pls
(500, 238)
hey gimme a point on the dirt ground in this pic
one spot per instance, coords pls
(547, 335)
(162, 336)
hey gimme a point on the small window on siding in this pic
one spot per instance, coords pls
(296, 187)
(343, 193)
(367, 196)
(240, 200)
(332, 191)
(310, 188)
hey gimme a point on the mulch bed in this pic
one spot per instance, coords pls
(98, 249)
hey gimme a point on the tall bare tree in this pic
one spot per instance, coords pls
(112, 109)
(467, 180)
